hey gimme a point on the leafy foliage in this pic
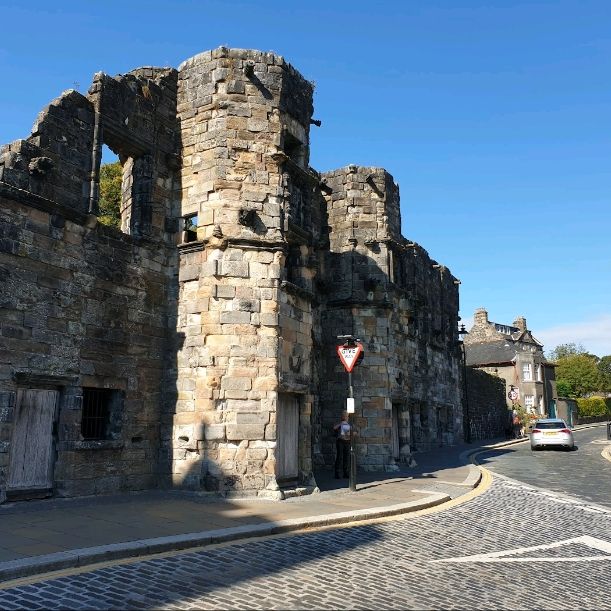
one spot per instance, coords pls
(564, 388)
(579, 372)
(111, 178)
(564, 350)
(604, 370)
(594, 406)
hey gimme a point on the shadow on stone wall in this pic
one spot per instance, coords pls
(410, 362)
(488, 413)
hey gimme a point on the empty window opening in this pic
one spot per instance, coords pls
(294, 149)
(126, 189)
(111, 187)
(189, 228)
(101, 413)
(293, 266)
(297, 205)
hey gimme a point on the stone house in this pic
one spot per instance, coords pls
(512, 353)
(195, 346)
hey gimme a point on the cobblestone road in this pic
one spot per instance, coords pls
(411, 563)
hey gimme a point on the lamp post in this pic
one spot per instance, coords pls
(466, 419)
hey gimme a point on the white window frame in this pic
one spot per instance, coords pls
(529, 402)
(527, 372)
(539, 373)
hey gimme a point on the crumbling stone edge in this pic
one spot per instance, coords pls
(26, 567)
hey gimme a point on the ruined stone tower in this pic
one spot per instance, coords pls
(245, 314)
(195, 347)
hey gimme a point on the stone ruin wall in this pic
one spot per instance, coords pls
(245, 319)
(208, 341)
(387, 291)
(85, 305)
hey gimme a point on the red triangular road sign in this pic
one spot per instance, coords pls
(349, 355)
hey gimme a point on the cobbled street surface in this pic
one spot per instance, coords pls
(415, 563)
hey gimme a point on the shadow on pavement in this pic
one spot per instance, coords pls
(179, 579)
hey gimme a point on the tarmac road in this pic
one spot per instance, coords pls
(582, 473)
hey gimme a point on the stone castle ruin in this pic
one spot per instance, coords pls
(195, 346)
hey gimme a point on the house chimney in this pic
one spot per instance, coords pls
(520, 323)
(480, 318)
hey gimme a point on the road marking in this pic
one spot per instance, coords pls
(591, 542)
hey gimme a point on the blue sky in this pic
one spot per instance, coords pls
(493, 117)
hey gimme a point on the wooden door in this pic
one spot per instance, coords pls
(32, 451)
(287, 438)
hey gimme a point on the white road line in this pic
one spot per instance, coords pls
(592, 542)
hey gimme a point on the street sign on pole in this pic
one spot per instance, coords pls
(350, 405)
(349, 354)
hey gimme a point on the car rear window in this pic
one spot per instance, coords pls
(550, 425)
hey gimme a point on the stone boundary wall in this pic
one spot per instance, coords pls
(488, 413)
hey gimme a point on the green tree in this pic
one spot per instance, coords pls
(579, 372)
(564, 388)
(564, 350)
(604, 369)
(111, 178)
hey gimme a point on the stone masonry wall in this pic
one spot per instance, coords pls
(488, 412)
(244, 314)
(84, 305)
(403, 306)
(55, 162)
(214, 312)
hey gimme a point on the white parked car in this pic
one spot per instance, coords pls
(551, 432)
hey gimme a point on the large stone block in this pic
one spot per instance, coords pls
(235, 318)
(213, 432)
(252, 417)
(245, 431)
(236, 383)
(236, 269)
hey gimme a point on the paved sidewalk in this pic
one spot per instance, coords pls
(39, 536)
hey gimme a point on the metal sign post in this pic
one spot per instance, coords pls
(349, 354)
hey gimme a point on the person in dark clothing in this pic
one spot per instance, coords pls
(342, 447)
(517, 425)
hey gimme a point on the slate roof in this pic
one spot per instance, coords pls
(490, 353)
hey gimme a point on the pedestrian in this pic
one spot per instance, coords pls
(517, 425)
(342, 447)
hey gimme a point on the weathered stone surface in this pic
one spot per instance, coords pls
(221, 339)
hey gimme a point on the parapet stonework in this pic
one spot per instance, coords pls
(195, 346)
